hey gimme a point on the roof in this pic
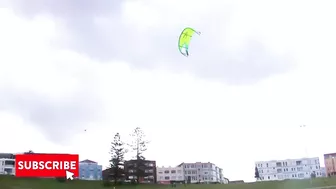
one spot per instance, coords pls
(7, 156)
(87, 161)
(330, 154)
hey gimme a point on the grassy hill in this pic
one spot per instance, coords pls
(8, 182)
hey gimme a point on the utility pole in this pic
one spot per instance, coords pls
(306, 150)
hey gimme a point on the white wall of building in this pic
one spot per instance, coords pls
(203, 172)
(5, 168)
(289, 169)
(166, 174)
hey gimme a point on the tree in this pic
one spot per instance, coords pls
(256, 173)
(139, 145)
(117, 158)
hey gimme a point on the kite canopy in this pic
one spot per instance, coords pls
(184, 40)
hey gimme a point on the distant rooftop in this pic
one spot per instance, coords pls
(87, 161)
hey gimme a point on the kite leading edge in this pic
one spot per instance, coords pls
(184, 40)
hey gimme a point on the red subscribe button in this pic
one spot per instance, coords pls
(47, 165)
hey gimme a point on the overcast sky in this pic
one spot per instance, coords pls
(258, 71)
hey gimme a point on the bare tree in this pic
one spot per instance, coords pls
(139, 145)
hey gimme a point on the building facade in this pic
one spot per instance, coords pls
(147, 167)
(90, 170)
(289, 169)
(202, 173)
(166, 175)
(7, 164)
(330, 164)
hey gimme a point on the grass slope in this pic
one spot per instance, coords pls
(8, 182)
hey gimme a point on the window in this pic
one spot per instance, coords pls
(151, 164)
(149, 171)
(189, 172)
(160, 172)
(298, 162)
(166, 171)
(173, 171)
(266, 164)
(278, 164)
(300, 169)
(193, 172)
(269, 177)
(301, 175)
(185, 172)
(167, 178)
(205, 173)
(279, 170)
(179, 171)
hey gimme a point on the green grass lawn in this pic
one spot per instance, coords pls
(9, 182)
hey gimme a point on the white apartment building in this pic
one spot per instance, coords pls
(202, 172)
(167, 174)
(7, 164)
(289, 169)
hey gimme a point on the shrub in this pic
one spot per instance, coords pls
(61, 179)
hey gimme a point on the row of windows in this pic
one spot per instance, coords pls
(171, 171)
(299, 175)
(146, 171)
(204, 178)
(180, 171)
(171, 178)
(285, 164)
(287, 170)
(134, 164)
(199, 166)
(90, 177)
(180, 178)
(135, 177)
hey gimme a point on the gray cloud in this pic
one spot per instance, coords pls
(58, 118)
(156, 47)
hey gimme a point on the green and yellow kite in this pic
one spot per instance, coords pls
(184, 40)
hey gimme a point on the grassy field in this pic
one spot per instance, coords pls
(22, 183)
